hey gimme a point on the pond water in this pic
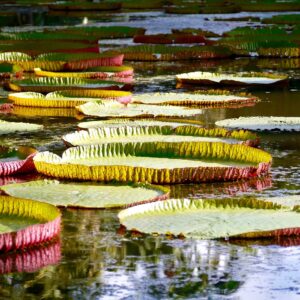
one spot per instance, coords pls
(98, 259)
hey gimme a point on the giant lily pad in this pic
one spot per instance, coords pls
(62, 61)
(26, 111)
(207, 78)
(92, 73)
(106, 109)
(67, 98)
(156, 162)
(25, 223)
(87, 196)
(10, 127)
(263, 123)
(33, 47)
(155, 131)
(201, 98)
(211, 219)
(50, 84)
(16, 160)
(105, 32)
(169, 39)
(167, 53)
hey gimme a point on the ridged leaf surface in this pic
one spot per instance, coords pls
(82, 195)
(211, 219)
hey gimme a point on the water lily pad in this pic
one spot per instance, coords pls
(107, 109)
(170, 39)
(16, 160)
(207, 78)
(87, 196)
(50, 84)
(209, 98)
(11, 127)
(92, 73)
(174, 53)
(263, 123)
(211, 219)
(104, 32)
(67, 98)
(25, 223)
(155, 131)
(62, 61)
(156, 162)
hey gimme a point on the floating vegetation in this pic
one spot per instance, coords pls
(208, 98)
(108, 109)
(114, 73)
(61, 61)
(156, 162)
(26, 223)
(170, 39)
(212, 219)
(12, 127)
(86, 196)
(263, 123)
(167, 53)
(246, 78)
(155, 131)
(67, 98)
(50, 84)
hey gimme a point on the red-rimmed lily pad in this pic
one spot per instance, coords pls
(17, 160)
(25, 223)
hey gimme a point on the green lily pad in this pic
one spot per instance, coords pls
(201, 98)
(262, 123)
(205, 78)
(211, 219)
(156, 162)
(11, 127)
(107, 109)
(87, 196)
(67, 98)
(50, 84)
(156, 132)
